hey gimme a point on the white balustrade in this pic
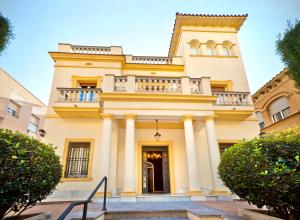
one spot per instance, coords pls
(78, 95)
(90, 50)
(158, 85)
(232, 98)
(151, 60)
(120, 83)
(195, 86)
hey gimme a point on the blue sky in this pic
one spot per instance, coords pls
(141, 27)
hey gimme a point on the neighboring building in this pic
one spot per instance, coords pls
(19, 109)
(104, 105)
(277, 103)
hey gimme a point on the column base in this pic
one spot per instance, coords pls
(219, 193)
(195, 193)
(128, 194)
(101, 194)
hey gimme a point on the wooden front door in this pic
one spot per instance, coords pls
(155, 170)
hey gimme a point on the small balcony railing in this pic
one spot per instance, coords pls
(232, 98)
(120, 83)
(79, 95)
(195, 85)
(157, 85)
(90, 49)
(151, 60)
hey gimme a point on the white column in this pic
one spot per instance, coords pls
(105, 149)
(129, 159)
(114, 158)
(214, 155)
(193, 177)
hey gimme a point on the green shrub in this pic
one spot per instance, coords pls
(5, 32)
(266, 172)
(29, 171)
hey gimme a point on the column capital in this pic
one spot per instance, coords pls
(187, 117)
(130, 116)
(209, 117)
(107, 115)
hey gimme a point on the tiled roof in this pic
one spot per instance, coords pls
(235, 21)
(270, 82)
(209, 15)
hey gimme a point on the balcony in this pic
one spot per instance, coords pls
(81, 102)
(78, 95)
(232, 98)
(90, 49)
(151, 60)
(78, 102)
(158, 61)
(158, 85)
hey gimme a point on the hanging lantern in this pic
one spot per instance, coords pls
(157, 135)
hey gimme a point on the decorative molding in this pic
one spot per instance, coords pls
(152, 125)
(214, 56)
(107, 115)
(130, 116)
(146, 97)
(154, 67)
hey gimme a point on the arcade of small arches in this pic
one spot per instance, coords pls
(211, 48)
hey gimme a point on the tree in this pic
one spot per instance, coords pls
(5, 32)
(29, 171)
(266, 172)
(288, 47)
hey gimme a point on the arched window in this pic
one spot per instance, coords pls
(194, 47)
(210, 47)
(279, 109)
(210, 50)
(193, 50)
(260, 119)
(226, 51)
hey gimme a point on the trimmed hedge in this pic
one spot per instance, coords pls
(266, 172)
(29, 171)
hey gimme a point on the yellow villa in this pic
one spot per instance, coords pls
(152, 125)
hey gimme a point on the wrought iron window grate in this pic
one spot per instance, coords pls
(77, 160)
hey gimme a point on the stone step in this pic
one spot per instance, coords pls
(162, 198)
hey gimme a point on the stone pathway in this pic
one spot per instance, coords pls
(193, 207)
(224, 207)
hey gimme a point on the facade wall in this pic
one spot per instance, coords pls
(28, 105)
(179, 112)
(280, 86)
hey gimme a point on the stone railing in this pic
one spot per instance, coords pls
(195, 85)
(151, 60)
(120, 83)
(232, 98)
(90, 49)
(78, 95)
(157, 84)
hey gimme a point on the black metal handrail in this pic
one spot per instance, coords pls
(86, 202)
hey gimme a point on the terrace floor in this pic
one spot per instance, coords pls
(226, 209)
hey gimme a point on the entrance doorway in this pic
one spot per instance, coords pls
(155, 171)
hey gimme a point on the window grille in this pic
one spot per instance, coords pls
(77, 160)
(281, 115)
(262, 125)
(224, 146)
(33, 124)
